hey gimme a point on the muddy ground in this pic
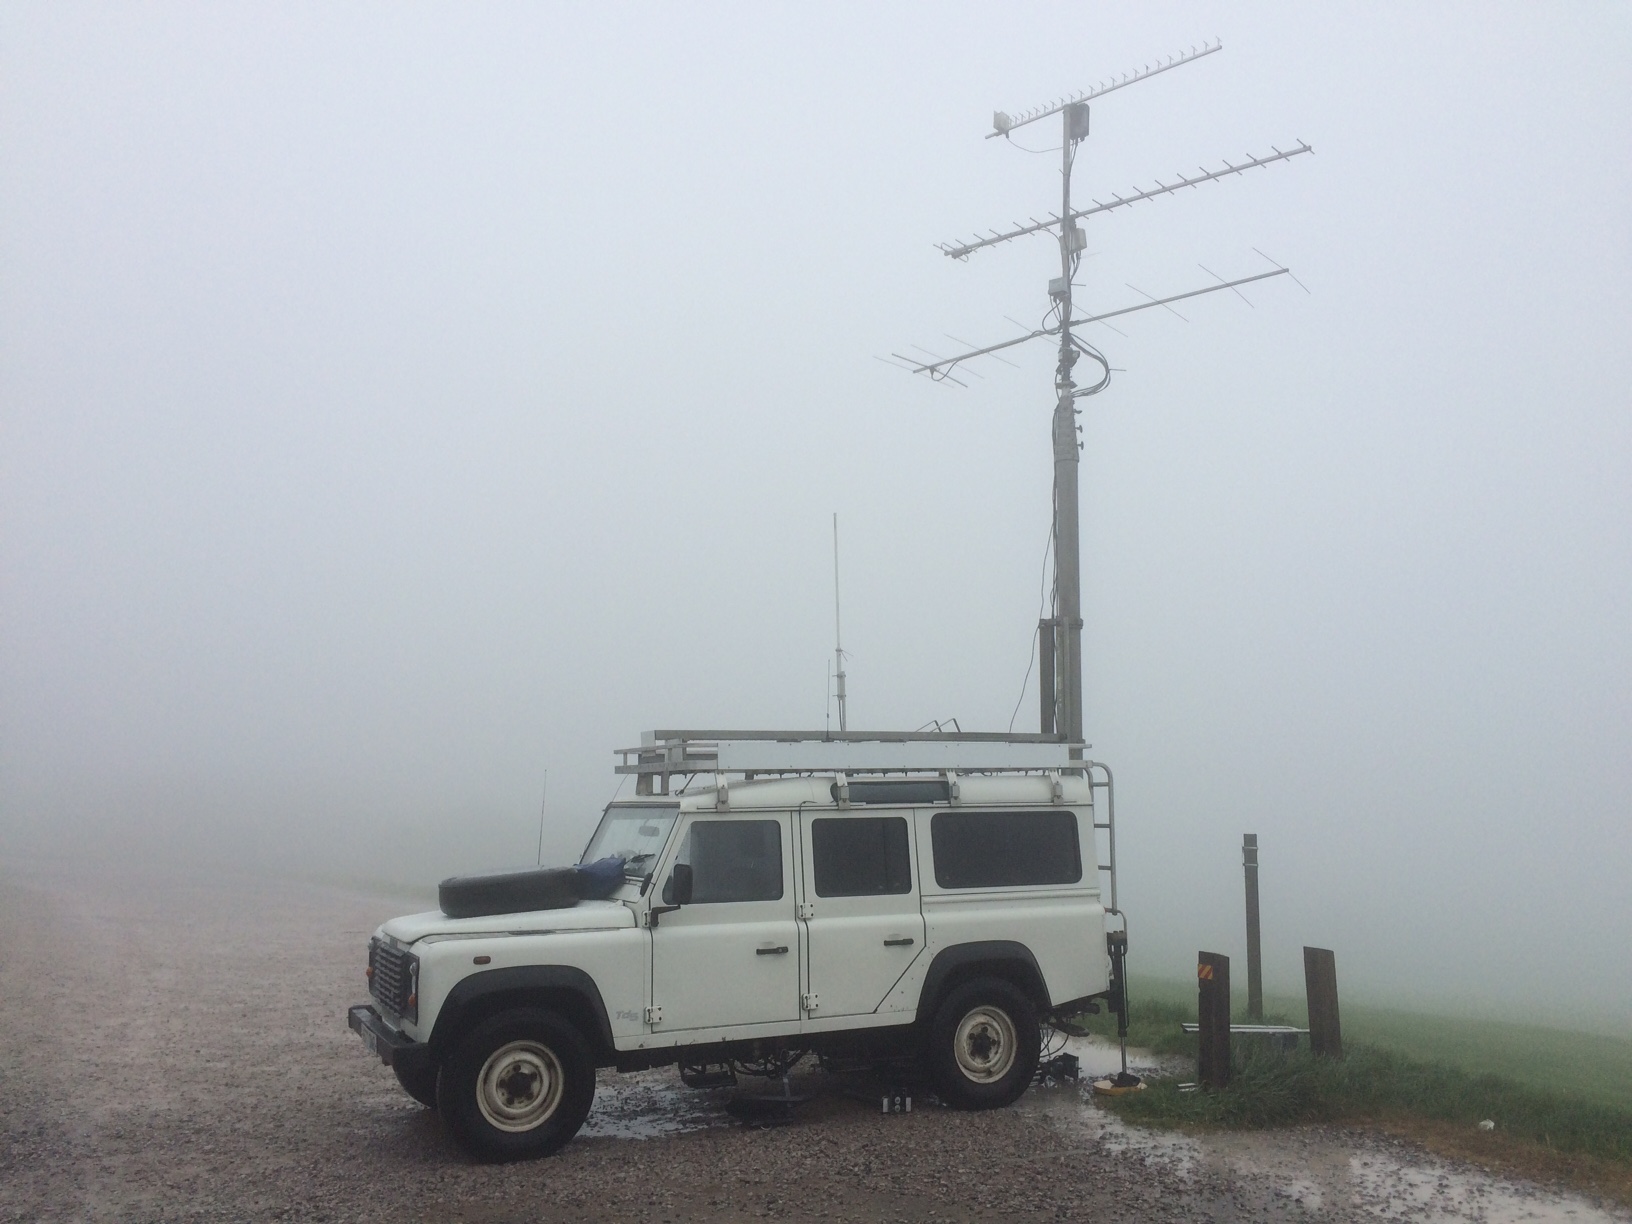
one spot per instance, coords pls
(175, 1048)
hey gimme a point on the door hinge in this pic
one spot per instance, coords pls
(654, 1015)
(808, 1002)
(807, 910)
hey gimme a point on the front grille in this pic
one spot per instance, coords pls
(392, 979)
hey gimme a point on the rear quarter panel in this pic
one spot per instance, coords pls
(1063, 925)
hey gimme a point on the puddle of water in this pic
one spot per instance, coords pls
(1395, 1190)
(1098, 1057)
(1071, 1107)
(1321, 1172)
(650, 1104)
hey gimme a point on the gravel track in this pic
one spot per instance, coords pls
(176, 1049)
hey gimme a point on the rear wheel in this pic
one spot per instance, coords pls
(420, 1083)
(983, 1044)
(518, 1085)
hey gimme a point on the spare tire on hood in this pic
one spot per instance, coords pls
(508, 892)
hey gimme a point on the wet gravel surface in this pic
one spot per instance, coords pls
(172, 1049)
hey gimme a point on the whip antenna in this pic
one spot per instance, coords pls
(838, 636)
(543, 798)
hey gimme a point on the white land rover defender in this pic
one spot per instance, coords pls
(938, 916)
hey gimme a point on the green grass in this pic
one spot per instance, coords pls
(1592, 1066)
(1270, 1089)
(1566, 1092)
(1153, 1024)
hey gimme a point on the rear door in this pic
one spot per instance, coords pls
(860, 907)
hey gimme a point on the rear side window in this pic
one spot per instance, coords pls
(861, 856)
(734, 860)
(1004, 849)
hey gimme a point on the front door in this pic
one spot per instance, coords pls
(861, 904)
(731, 956)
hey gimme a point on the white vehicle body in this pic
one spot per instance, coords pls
(819, 913)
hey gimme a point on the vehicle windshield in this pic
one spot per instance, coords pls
(634, 834)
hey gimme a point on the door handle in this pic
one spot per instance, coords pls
(899, 941)
(777, 951)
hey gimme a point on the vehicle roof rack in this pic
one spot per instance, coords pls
(666, 754)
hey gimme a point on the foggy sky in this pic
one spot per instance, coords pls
(399, 402)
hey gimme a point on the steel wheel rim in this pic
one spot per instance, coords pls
(520, 1086)
(985, 1044)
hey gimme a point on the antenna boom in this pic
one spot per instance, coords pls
(941, 369)
(965, 249)
(1004, 124)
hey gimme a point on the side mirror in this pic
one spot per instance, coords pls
(678, 889)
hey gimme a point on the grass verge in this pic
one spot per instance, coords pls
(1544, 1134)
(1271, 1089)
(1590, 1065)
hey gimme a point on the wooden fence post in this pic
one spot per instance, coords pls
(1213, 1019)
(1320, 985)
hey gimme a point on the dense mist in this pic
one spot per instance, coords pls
(398, 403)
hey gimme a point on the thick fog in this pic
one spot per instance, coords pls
(399, 403)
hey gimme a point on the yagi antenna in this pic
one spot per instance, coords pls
(1060, 634)
(1003, 124)
(962, 250)
(942, 368)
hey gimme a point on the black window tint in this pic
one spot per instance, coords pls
(861, 856)
(1003, 849)
(734, 860)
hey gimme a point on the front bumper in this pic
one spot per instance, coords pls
(394, 1049)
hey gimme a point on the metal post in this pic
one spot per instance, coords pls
(1213, 1019)
(1320, 987)
(1255, 964)
(1068, 625)
(1045, 675)
(1067, 456)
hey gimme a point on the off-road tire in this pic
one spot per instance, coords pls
(517, 1086)
(419, 1083)
(983, 1045)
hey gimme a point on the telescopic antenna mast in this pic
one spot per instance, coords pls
(1060, 635)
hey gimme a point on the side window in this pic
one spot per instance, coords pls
(1004, 849)
(733, 860)
(861, 856)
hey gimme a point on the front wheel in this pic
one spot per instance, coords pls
(518, 1085)
(984, 1045)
